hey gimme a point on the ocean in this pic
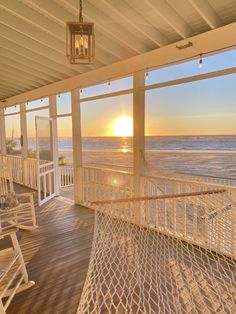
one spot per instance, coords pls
(203, 155)
(156, 143)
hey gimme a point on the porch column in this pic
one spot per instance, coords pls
(138, 136)
(53, 116)
(77, 144)
(23, 126)
(2, 132)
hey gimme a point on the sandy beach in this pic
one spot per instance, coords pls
(222, 164)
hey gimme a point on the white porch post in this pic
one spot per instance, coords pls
(2, 132)
(138, 135)
(23, 126)
(77, 144)
(53, 116)
(24, 141)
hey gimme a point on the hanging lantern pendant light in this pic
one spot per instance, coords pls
(80, 41)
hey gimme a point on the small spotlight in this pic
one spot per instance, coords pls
(109, 85)
(146, 76)
(81, 91)
(200, 62)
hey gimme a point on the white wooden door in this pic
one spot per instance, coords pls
(47, 187)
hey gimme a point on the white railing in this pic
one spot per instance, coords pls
(99, 184)
(205, 218)
(208, 178)
(198, 212)
(23, 170)
(66, 176)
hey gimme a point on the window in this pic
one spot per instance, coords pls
(64, 103)
(191, 127)
(108, 87)
(107, 131)
(34, 104)
(13, 133)
(212, 63)
(30, 116)
(65, 145)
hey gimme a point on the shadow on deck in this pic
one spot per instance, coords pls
(57, 256)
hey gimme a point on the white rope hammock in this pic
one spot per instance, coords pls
(150, 268)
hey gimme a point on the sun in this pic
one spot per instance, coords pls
(122, 126)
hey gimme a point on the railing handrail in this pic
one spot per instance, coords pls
(205, 176)
(198, 183)
(157, 197)
(106, 169)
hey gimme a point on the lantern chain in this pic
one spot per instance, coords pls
(80, 12)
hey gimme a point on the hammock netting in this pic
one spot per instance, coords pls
(142, 269)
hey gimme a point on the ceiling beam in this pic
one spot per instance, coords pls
(35, 57)
(41, 68)
(13, 82)
(32, 30)
(205, 43)
(22, 67)
(41, 50)
(105, 25)
(11, 76)
(206, 11)
(8, 87)
(22, 74)
(163, 9)
(123, 13)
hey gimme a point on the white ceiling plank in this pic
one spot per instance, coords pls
(54, 74)
(23, 11)
(104, 53)
(163, 9)
(10, 87)
(25, 69)
(14, 82)
(31, 30)
(32, 45)
(12, 76)
(35, 57)
(105, 24)
(19, 74)
(206, 11)
(121, 12)
(8, 60)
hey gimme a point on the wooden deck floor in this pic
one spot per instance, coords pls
(57, 256)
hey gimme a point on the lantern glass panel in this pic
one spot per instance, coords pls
(80, 42)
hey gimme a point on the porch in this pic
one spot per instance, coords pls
(57, 256)
(165, 240)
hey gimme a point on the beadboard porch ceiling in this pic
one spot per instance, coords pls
(32, 34)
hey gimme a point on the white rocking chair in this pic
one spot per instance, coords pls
(24, 212)
(13, 273)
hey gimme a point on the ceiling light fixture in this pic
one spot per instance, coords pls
(80, 41)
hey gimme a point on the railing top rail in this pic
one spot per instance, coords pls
(106, 169)
(205, 176)
(158, 197)
(194, 182)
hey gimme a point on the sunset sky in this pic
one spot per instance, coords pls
(203, 107)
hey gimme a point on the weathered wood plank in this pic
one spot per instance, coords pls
(57, 256)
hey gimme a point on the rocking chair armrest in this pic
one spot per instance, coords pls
(28, 194)
(8, 232)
